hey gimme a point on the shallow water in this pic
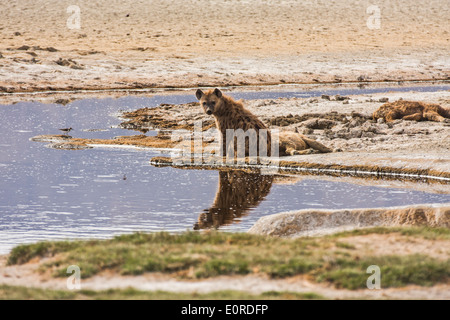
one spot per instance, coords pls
(96, 193)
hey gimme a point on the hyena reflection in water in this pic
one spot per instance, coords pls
(237, 193)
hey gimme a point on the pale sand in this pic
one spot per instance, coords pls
(206, 43)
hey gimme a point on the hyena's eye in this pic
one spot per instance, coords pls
(213, 103)
(204, 103)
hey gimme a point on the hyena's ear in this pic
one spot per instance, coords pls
(199, 94)
(218, 93)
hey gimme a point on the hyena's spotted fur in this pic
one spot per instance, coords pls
(412, 110)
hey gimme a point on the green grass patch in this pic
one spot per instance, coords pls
(24, 253)
(202, 255)
(421, 232)
(395, 271)
(24, 293)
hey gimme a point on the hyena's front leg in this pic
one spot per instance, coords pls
(294, 152)
(414, 117)
(316, 145)
(434, 116)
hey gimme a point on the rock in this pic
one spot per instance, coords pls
(62, 62)
(77, 67)
(368, 127)
(355, 114)
(23, 48)
(306, 131)
(317, 123)
(355, 122)
(68, 146)
(340, 98)
(356, 133)
(63, 101)
(367, 134)
(51, 49)
(383, 126)
(384, 99)
(325, 97)
(311, 222)
(54, 138)
(414, 131)
(69, 63)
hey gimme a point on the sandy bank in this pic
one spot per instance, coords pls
(197, 43)
(319, 222)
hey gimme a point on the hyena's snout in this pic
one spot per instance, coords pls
(209, 110)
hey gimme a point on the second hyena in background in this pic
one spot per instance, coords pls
(231, 114)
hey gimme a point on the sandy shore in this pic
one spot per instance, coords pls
(202, 43)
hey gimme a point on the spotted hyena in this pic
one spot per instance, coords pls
(412, 110)
(232, 118)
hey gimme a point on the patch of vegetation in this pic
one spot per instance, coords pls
(24, 253)
(395, 271)
(422, 232)
(203, 255)
(24, 293)
(345, 245)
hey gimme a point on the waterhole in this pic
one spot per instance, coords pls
(97, 193)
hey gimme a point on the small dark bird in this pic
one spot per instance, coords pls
(66, 130)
